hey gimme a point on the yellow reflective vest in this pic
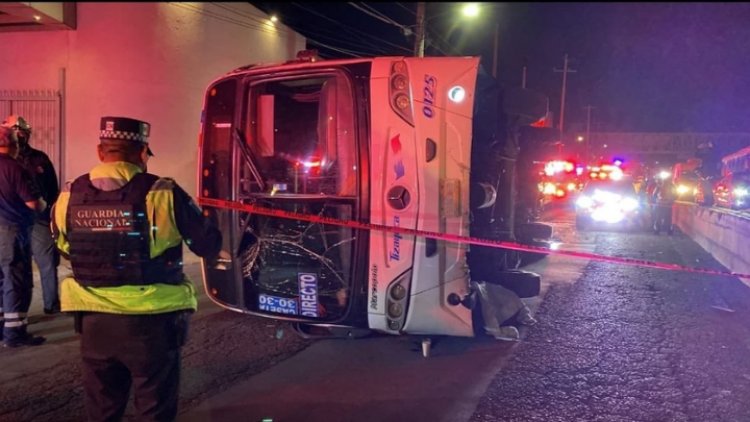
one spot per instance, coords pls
(127, 299)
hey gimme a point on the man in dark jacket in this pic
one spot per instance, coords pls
(19, 199)
(38, 164)
(664, 197)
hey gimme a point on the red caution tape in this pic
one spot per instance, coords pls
(216, 203)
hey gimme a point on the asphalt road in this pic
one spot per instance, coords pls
(632, 344)
(43, 383)
(614, 343)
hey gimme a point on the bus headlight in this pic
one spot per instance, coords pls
(398, 292)
(399, 82)
(682, 189)
(457, 94)
(402, 102)
(399, 91)
(395, 310)
(396, 301)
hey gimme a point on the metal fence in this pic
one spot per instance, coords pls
(42, 109)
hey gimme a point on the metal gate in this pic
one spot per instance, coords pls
(42, 109)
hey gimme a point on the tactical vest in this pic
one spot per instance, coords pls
(109, 236)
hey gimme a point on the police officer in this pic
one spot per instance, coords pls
(664, 198)
(122, 229)
(38, 164)
(19, 199)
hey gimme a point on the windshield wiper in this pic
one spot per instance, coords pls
(247, 154)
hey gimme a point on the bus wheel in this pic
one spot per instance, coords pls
(521, 282)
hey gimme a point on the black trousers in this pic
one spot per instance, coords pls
(15, 280)
(142, 351)
(663, 217)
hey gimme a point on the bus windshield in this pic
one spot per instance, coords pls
(301, 133)
(300, 156)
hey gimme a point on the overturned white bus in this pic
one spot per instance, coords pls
(389, 141)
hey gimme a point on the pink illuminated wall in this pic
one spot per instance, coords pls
(151, 61)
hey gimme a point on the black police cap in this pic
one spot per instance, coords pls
(125, 128)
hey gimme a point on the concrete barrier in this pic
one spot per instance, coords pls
(723, 233)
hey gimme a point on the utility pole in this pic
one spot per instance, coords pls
(523, 76)
(419, 39)
(565, 70)
(588, 131)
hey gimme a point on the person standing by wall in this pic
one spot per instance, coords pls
(19, 199)
(38, 164)
(122, 229)
(664, 197)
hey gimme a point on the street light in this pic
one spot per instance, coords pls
(469, 10)
(472, 10)
(580, 139)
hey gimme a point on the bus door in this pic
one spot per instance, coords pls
(290, 144)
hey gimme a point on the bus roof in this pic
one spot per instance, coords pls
(308, 62)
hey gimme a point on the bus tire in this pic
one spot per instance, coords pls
(521, 282)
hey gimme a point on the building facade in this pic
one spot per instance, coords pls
(150, 61)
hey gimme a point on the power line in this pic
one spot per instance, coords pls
(335, 38)
(326, 32)
(374, 10)
(406, 8)
(340, 41)
(353, 53)
(443, 41)
(257, 18)
(228, 19)
(352, 30)
(377, 15)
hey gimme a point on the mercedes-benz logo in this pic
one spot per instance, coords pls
(398, 197)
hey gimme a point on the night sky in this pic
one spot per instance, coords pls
(664, 67)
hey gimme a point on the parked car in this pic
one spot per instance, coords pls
(733, 191)
(686, 185)
(607, 204)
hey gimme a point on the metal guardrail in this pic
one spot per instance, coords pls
(720, 231)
